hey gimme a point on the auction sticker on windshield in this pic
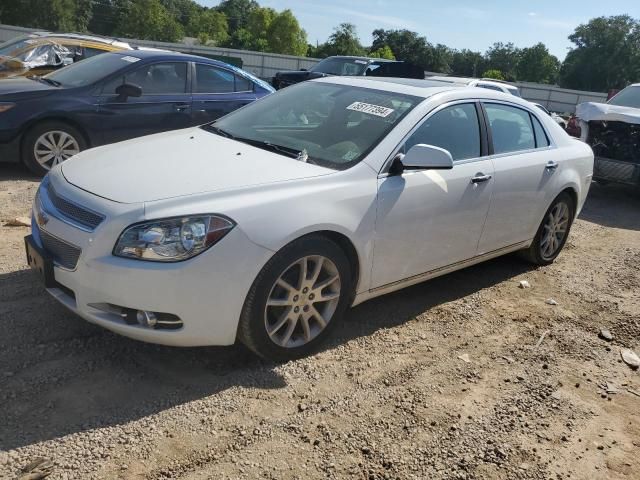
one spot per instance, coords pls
(376, 110)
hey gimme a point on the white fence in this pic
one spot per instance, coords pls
(265, 65)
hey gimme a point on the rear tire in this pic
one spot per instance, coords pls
(49, 143)
(553, 231)
(296, 300)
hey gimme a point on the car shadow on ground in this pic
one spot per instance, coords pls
(17, 171)
(613, 205)
(60, 375)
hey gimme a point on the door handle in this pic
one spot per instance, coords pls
(181, 107)
(551, 165)
(481, 178)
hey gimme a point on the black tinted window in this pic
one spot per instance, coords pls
(541, 137)
(454, 128)
(154, 79)
(511, 128)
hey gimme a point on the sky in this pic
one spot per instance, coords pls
(458, 24)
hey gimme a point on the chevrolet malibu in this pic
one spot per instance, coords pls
(268, 224)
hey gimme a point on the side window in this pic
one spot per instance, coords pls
(211, 79)
(511, 128)
(454, 128)
(155, 79)
(541, 137)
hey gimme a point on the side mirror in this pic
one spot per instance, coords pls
(303, 69)
(127, 90)
(423, 157)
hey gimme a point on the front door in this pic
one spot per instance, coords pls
(218, 91)
(430, 219)
(165, 103)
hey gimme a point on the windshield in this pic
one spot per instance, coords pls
(340, 66)
(9, 48)
(91, 70)
(335, 126)
(629, 97)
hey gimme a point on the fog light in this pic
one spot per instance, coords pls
(146, 319)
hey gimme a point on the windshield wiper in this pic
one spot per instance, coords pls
(300, 155)
(55, 83)
(218, 131)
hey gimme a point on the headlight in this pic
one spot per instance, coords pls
(4, 106)
(172, 239)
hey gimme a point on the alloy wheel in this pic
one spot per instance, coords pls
(302, 301)
(54, 147)
(554, 230)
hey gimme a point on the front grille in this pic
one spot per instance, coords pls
(72, 211)
(65, 254)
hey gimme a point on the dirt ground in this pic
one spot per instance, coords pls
(464, 377)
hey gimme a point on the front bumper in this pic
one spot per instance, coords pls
(206, 292)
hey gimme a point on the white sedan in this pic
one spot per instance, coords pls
(267, 225)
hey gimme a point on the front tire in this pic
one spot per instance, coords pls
(553, 231)
(296, 300)
(49, 143)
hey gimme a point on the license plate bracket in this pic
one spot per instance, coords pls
(40, 262)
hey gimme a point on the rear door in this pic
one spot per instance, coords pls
(218, 91)
(525, 172)
(165, 103)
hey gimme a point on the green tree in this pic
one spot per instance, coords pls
(382, 52)
(149, 20)
(343, 41)
(406, 45)
(286, 36)
(495, 74)
(259, 23)
(536, 64)
(209, 26)
(107, 14)
(503, 57)
(57, 15)
(467, 63)
(237, 12)
(606, 54)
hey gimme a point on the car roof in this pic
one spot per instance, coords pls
(79, 36)
(144, 54)
(425, 88)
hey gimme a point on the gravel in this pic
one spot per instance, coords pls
(391, 397)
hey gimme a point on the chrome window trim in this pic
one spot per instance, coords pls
(387, 163)
(384, 172)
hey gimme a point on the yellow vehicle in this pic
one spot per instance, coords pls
(43, 52)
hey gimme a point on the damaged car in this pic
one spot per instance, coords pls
(41, 53)
(612, 130)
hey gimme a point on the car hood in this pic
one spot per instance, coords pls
(178, 163)
(592, 111)
(20, 87)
